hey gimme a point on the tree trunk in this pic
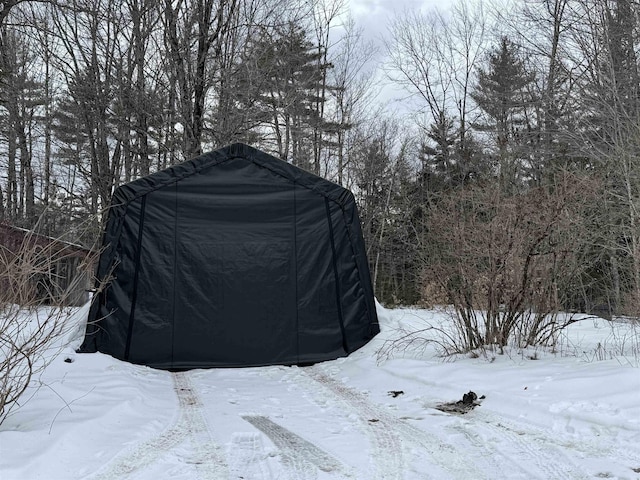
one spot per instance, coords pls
(12, 179)
(26, 174)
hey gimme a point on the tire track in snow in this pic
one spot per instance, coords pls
(452, 462)
(386, 456)
(208, 458)
(587, 446)
(526, 446)
(247, 458)
(296, 466)
(303, 457)
(207, 461)
(494, 458)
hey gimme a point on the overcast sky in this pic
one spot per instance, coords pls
(374, 17)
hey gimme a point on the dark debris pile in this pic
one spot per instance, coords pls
(469, 401)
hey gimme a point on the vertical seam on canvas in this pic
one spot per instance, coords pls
(355, 261)
(175, 265)
(336, 277)
(295, 268)
(136, 276)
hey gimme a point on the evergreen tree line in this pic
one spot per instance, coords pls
(510, 183)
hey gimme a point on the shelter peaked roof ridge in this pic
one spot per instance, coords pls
(142, 186)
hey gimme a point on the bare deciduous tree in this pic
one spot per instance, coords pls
(194, 37)
(352, 91)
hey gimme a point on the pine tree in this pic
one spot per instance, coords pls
(439, 165)
(291, 71)
(447, 162)
(501, 93)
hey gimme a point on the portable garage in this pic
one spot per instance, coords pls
(235, 258)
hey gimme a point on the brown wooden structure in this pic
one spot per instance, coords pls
(37, 269)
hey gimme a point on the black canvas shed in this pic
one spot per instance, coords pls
(235, 258)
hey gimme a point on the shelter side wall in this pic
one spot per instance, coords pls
(103, 274)
(360, 320)
(112, 311)
(319, 331)
(150, 323)
(352, 223)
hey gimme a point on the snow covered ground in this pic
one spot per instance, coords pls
(574, 414)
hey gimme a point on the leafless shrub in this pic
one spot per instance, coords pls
(36, 286)
(416, 337)
(504, 259)
(416, 342)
